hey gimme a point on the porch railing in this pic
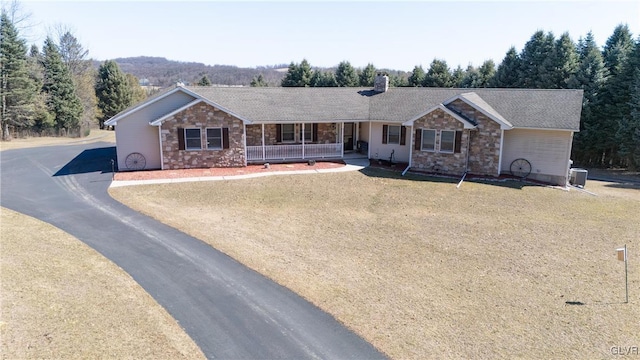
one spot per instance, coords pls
(290, 152)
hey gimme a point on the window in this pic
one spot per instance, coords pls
(308, 132)
(288, 133)
(447, 140)
(192, 139)
(214, 138)
(393, 134)
(428, 140)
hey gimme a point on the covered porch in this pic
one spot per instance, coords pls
(300, 141)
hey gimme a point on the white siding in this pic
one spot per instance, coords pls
(378, 150)
(548, 151)
(364, 131)
(134, 134)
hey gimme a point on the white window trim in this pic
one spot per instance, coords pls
(399, 134)
(301, 132)
(186, 143)
(453, 143)
(435, 135)
(221, 138)
(282, 134)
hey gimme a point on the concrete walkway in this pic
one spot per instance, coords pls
(351, 165)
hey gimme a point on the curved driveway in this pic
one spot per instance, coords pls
(230, 311)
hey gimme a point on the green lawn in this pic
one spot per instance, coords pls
(424, 270)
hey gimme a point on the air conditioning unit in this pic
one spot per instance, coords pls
(578, 177)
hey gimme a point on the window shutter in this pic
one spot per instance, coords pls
(418, 143)
(225, 138)
(180, 138)
(278, 132)
(314, 133)
(458, 144)
(385, 131)
(403, 135)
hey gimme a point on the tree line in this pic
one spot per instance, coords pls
(610, 77)
(55, 90)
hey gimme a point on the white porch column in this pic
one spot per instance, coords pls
(342, 139)
(264, 152)
(303, 140)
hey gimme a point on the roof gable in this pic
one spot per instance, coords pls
(474, 100)
(467, 124)
(148, 102)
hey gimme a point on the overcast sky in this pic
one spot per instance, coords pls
(392, 35)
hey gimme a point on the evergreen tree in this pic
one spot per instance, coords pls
(62, 100)
(438, 75)
(112, 90)
(566, 63)
(457, 77)
(487, 71)
(323, 79)
(346, 75)
(613, 101)
(471, 78)
(258, 81)
(417, 76)
(83, 74)
(536, 62)
(298, 75)
(589, 77)
(508, 73)
(43, 119)
(17, 89)
(397, 80)
(629, 126)
(204, 81)
(368, 76)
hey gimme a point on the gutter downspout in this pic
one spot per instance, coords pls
(244, 135)
(500, 156)
(466, 162)
(160, 145)
(369, 140)
(410, 151)
(566, 173)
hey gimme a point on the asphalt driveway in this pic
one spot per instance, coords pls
(230, 311)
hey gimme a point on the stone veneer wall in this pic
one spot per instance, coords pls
(484, 152)
(434, 161)
(326, 134)
(202, 116)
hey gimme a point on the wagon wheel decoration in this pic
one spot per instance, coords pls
(520, 168)
(135, 161)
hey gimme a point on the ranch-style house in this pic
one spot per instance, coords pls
(441, 130)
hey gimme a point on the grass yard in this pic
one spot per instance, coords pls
(59, 299)
(424, 270)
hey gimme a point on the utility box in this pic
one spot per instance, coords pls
(578, 177)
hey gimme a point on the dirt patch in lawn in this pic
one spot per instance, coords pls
(94, 136)
(61, 299)
(424, 270)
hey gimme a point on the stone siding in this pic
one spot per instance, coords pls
(434, 161)
(254, 135)
(202, 116)
(484, 152)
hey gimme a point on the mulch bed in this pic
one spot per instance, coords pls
(250, 169)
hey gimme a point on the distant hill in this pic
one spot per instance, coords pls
(160, 72)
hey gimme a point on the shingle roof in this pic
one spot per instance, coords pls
(523, 108)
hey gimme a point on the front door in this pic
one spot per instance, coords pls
(347, 137)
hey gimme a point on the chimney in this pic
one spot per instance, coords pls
(381, 83)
